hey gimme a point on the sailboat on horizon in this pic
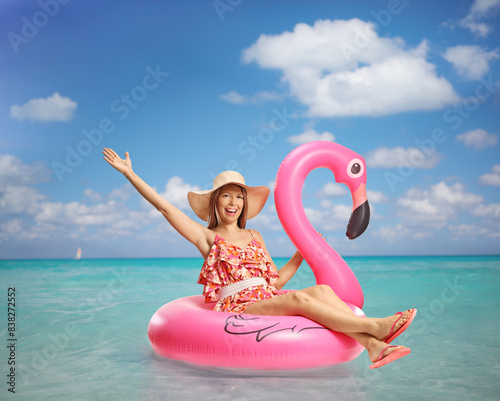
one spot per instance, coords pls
(78, 254)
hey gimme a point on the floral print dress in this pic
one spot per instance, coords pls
(226, 264)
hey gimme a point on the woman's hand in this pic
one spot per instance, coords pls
(123, 166)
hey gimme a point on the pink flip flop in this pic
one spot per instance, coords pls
(391, 357)
(393, 334)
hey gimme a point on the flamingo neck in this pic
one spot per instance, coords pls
(327, 265)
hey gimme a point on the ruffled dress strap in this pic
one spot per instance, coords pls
(210, 275)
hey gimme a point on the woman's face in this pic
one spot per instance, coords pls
(230, 203)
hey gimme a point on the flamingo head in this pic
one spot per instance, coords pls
(352, 172)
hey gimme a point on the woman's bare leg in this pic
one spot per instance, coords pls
(373, 345)
(325, 294)
(321, 304)
(300, 303)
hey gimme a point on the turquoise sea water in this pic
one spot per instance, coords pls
(81, 331)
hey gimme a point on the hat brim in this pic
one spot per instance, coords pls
(256, 199)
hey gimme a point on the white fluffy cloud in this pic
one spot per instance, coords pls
(15, 200)
(492, 178)
(76, 220)
(376, 197)
(266, 222)
(436, 206)
(309, 135)
(260, 97)
(478, 139)
(395, 233)
(399, 156)
(471, 62)
(14, 172)
(233, 97)
(92, 195)
(331, 189)
(176, 192)
(332, 219)
(27, 214)
(343, 68)
(18, 199)
(490, 211)
(473, 230)
(123, 192)
(480, 9)
(78, 213)
(52, 108)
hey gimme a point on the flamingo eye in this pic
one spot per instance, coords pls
(356, 168)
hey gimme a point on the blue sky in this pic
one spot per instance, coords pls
(190, 89)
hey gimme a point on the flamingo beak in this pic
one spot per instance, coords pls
(360, 216)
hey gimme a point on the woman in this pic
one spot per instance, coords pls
(239, 275)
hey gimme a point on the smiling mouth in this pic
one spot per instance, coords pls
(231, 212)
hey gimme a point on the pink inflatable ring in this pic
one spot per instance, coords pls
(188, 329)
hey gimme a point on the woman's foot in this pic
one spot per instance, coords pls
(387, 328)
(388, 354)
(378, 350)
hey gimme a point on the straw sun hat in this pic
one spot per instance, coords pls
(256, 196)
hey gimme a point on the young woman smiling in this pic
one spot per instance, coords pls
(238, 274)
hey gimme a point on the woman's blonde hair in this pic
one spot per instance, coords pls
(213, 214)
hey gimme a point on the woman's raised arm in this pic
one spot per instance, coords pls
(194, 232)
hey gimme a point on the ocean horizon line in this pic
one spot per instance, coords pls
(274, 257)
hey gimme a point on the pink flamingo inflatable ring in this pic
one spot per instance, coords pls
(188, 329)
